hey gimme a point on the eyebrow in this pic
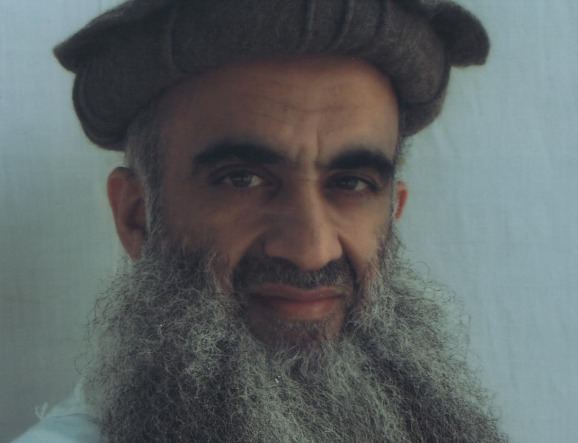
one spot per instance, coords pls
(355, 156)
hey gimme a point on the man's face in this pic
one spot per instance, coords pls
(290, 161)
(272, 231)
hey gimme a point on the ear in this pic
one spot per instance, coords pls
(401, 193)
(127, 201)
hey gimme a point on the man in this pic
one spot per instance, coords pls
(265, 299)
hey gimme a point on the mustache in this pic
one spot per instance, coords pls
(251, 270)
(255, 271)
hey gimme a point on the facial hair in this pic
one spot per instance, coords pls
(176, 360)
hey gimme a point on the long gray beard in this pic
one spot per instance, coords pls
(176, 362)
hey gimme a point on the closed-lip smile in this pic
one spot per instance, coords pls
(296, 304)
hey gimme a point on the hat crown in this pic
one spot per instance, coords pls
(129, 55)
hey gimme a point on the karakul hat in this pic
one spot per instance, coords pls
(129, 55)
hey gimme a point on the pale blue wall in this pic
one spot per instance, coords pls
(492, 213)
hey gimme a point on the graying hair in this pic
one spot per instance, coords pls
(144, 156)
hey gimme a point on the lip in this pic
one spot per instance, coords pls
(295, 304)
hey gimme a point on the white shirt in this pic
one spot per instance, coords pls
(67, 422)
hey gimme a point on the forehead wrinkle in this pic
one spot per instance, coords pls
(274, 137)
(290, 118)
(286, 106)
(365, 137)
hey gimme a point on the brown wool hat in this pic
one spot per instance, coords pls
(129, 55)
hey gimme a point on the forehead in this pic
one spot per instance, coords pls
(310, 105)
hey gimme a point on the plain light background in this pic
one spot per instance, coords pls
(492, 212)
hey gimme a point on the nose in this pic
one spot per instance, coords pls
(301, 230)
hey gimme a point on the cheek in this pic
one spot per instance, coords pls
(364, 222)
(197, 218)
(362, 235)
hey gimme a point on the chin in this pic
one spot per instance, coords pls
(279, 334)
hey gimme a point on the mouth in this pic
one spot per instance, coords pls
(290, 303)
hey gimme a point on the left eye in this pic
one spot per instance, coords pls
(352, 183)
(241, 179)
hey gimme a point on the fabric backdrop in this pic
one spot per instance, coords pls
(492, 212)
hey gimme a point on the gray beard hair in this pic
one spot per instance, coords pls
(175, 360)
